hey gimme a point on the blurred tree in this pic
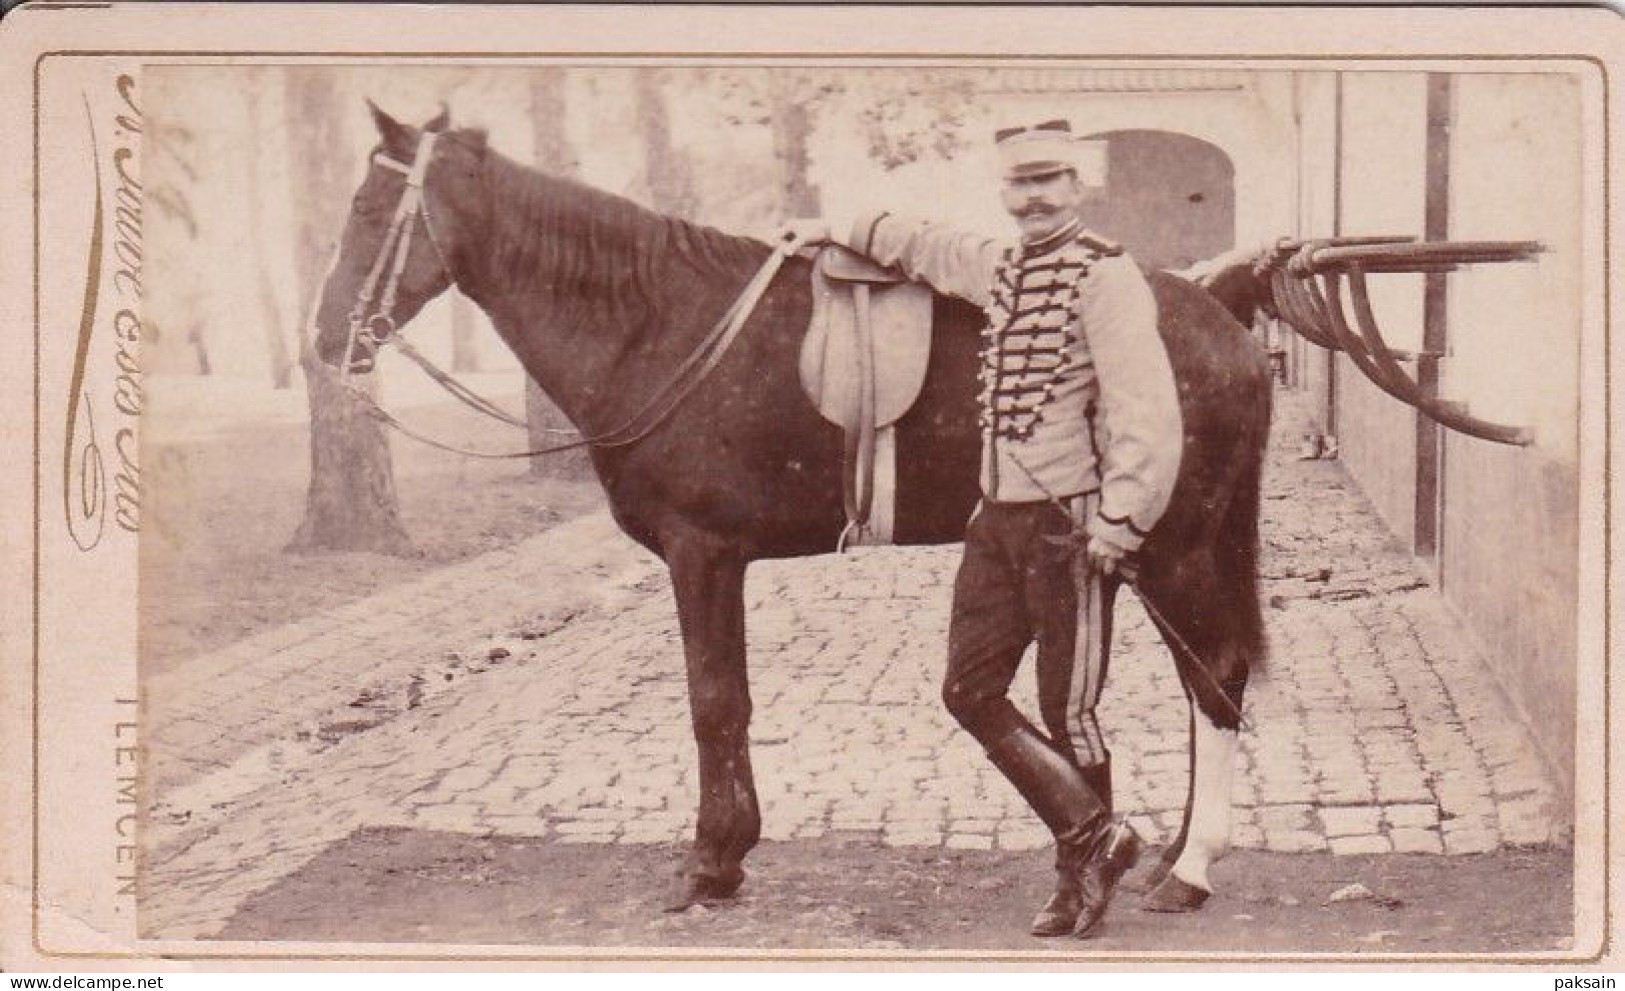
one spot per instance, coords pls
(465, 351)
(787, 102)
(171, 152)
(271, 317)
(902, 116)
(790, 112)
(912, 117)
(667, 175)
(352, 503)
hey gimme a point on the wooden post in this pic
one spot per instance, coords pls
(1337, 231)
(1436, 227)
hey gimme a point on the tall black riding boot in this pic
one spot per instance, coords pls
(1099, 858)
(1092, 851)
(1060, 913)
(1099, 779)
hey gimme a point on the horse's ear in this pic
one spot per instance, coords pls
(397, 136)
(441, 120)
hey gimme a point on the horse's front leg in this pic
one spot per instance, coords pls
(1182, 883)
(708, 579)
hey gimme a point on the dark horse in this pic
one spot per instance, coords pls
(600, 299)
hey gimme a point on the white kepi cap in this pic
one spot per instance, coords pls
(1039, 150)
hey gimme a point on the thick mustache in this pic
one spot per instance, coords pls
(1035, 210)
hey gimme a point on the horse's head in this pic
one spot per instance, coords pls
(407, 225)
(1241, 279)
(1269, 259)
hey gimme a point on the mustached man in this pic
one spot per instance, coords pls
(1081, 441)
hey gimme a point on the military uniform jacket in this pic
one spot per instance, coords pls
(1077, 393)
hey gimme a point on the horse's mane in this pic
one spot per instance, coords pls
(587, 247)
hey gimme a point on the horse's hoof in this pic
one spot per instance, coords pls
(1173, 895)
(704, 889)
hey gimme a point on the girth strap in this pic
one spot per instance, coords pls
(858, 452)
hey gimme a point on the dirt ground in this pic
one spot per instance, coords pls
(219, 510)
(854, 894)
(224, 576)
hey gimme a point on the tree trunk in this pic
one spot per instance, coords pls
(350, 452)
(270, 312)
(465, 353)
(351, 504)
(792, 126)
(665, 172)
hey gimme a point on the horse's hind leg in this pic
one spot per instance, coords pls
(1170, 855)
(1205, 834)
(708, 578)
(1207, 610)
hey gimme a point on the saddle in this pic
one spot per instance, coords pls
(862, 364)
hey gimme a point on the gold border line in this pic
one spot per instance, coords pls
(35, 633)
(1607, 513)
(585, 954)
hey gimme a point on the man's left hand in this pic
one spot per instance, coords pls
(800, 232)
(1104, 556)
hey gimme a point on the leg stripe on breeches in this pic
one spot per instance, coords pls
(1088, 654)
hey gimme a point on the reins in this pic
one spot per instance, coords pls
(671, 393)
(461, 392)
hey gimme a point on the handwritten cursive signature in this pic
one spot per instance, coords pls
(85, 487)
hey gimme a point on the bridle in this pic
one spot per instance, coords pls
(379, 328)
(372, 328)
(371, 331)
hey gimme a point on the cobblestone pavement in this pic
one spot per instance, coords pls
(460, 703)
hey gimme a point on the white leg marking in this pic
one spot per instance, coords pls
(1209, 836)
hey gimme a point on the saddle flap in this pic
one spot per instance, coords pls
(834, 365)
(840, 264)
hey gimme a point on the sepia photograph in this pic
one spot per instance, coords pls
(855, 503)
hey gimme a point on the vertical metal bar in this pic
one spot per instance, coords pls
(1429, 504)
(1300, 216)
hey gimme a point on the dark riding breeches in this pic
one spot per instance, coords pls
(1014, 587)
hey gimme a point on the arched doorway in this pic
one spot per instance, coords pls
(1170, 198)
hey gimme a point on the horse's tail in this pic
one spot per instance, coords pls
(1247, 640)
(1228, 639)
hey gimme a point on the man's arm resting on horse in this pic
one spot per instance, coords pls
(957, 262)
(1140, 429)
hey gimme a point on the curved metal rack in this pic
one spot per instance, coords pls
(1306, 282)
